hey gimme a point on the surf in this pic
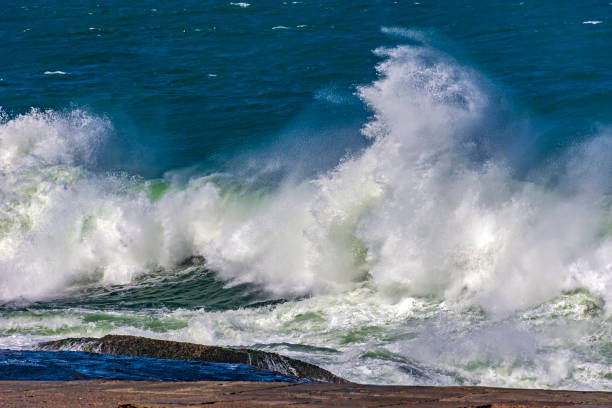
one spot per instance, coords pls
(425, 209)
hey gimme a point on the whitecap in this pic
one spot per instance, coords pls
(240, 4)
(280, 28)
(55, 73)
(412, 212)
(592, 22)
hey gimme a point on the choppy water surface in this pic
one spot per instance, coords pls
(399, 192)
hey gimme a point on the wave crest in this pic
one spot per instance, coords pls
(425, 209)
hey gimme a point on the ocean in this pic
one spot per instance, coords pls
(401, 192)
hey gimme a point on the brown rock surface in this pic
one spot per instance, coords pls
(129, 394)
(117, 345)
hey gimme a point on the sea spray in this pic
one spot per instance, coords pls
(414, 212)
(422, 259)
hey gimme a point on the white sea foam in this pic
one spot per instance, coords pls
(413, 214)
(592, 22)
(367, 337)
(280, 28)
(243, 5)
(55, 73)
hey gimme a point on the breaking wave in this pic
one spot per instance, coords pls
(428, 208)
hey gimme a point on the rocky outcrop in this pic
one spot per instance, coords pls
(145, 347)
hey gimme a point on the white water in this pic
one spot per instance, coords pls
(415, 213)
(360, 335)
(423, 213)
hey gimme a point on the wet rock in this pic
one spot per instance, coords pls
(145, 347)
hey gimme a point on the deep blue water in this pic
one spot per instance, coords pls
(75, 365)
(382, 188)
(148, 67)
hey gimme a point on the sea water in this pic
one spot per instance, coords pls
(79, 366)
(400, 192)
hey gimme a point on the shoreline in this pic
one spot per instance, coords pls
(321, 389)
(141, 394)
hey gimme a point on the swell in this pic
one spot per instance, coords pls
(426, 209)
(188, 287)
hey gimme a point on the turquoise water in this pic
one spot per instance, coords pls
(398, 191)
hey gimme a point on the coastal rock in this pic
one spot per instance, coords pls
(144, 347)
(144, 394)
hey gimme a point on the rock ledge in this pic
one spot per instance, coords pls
(145, 347)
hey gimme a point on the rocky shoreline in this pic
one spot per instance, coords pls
(141, 394)
(322, 388)
(144, 347)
